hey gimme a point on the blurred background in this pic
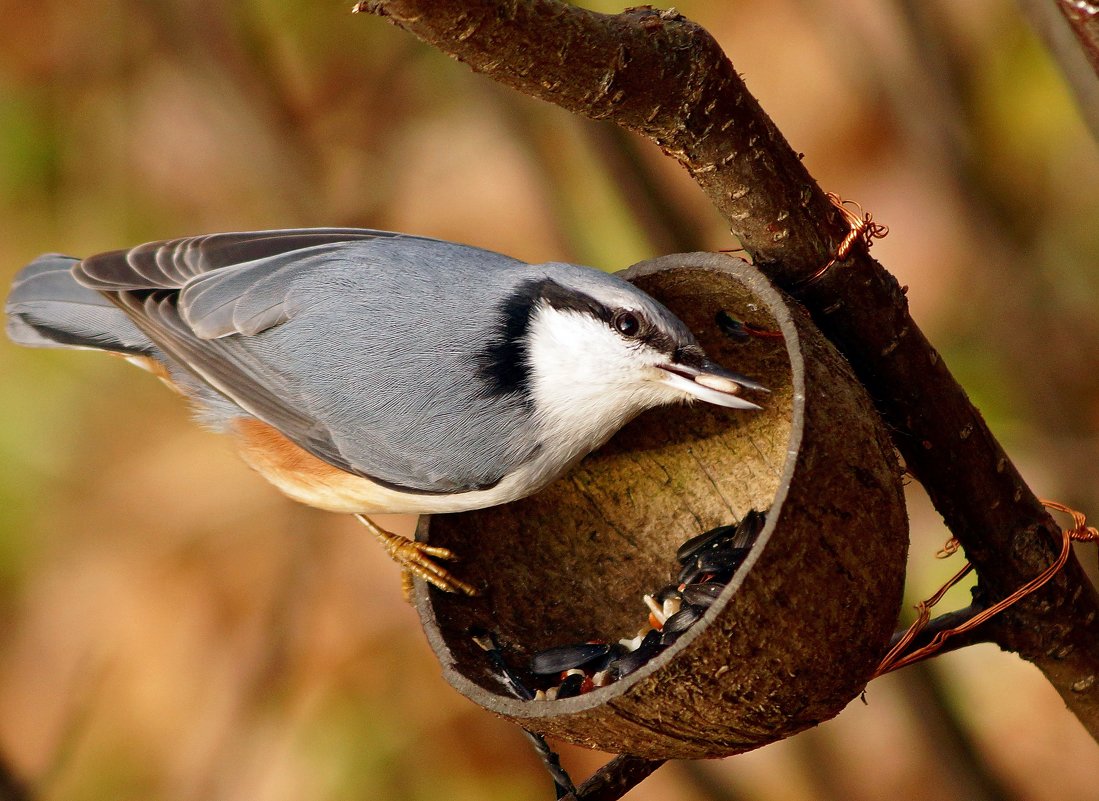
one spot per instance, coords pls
(171, 628)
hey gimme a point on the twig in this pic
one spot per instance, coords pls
(562, 782)
(655, 73)
(904, 652)
(615, 779)
(948, 621)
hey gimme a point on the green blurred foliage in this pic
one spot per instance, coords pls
(172, 629)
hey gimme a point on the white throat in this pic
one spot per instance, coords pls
(586, 381)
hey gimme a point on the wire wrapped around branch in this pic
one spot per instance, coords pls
(897, 656)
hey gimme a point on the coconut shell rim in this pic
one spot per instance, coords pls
(498, 702)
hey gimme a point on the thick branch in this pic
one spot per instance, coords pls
(665, 77)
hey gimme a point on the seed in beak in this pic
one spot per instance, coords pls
(720, 383)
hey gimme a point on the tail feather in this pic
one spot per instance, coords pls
(47, 308)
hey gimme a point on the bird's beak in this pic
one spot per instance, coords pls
(710, 382)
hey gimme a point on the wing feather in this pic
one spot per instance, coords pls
(208, 303)
(250, 297)
(170, 264)
(233, 371)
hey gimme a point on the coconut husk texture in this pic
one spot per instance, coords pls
(800, 627)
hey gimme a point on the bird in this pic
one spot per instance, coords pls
(363, 371)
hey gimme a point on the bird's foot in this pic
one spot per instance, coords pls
(418, 559)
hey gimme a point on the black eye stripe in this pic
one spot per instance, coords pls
(562, 299)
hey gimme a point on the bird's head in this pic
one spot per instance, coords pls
(588, 351)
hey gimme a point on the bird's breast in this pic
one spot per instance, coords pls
(302, 476)
(307, 479)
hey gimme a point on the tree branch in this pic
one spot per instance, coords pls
(615, 779)
(665, 77)
(948, 621)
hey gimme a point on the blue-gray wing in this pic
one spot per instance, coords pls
(309, 331)
(47, 308)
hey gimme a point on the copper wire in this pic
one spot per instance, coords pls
(862, 229)
(950, 547)
(762, 333)
(897, 658)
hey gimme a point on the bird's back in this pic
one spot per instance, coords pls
(366, 349)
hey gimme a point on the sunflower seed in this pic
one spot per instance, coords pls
(628, 663)
(570, 687)
(681, 621)
(566, 657)
(704, 540)
(702, 594)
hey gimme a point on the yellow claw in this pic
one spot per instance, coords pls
(417, 559)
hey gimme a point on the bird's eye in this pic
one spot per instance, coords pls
(627, 324)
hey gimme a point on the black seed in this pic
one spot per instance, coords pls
(603, 662)
(693, 574)
(748, 528)
(628, 663)
(566, 657)
(486, 640)
(570, 687)
(704, 540)
(722, 560)
(670, 591)
(682, 620)
(731, 326)
(522, 691)
(689, 574)
(738, 535)
(702, 594)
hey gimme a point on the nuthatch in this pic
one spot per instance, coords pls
(367, 372)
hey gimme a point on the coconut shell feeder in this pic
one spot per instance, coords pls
(800, 626)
